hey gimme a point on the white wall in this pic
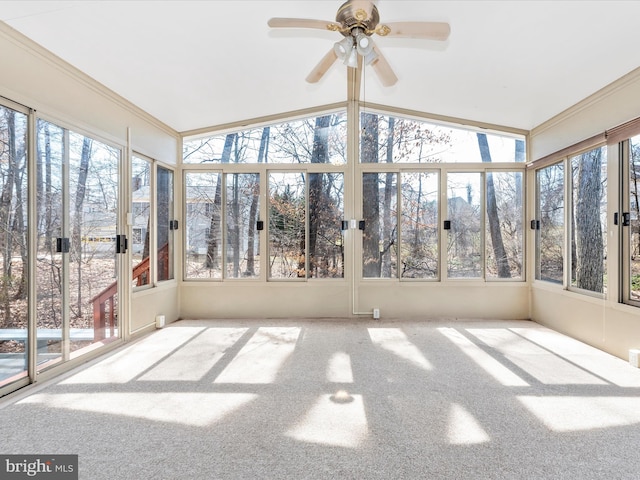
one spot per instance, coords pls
(603, 323)
(615, 104)
(332, 299)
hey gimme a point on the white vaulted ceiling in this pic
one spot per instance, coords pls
(195, 64)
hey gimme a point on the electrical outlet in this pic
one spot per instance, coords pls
(634, 357)
(376, 313)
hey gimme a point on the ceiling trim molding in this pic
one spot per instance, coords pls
(260, 121)
(566, 115)
(443, 119)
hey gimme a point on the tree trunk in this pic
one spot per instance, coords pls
(19, 226)
(317, 201)
(589, 241)
(370, 204)
(212, 242)
(502, 261)
(633, 172)
(6, 201)
(253, 209)
(388, 223)
(48, 190)
(235, 231)
(76, 238)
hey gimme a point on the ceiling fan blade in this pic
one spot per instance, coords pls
(383, 69)
(303, 23)
(322, 67)
(428, 30)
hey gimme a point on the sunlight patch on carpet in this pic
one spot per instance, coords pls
(193, 361)
(485, 361)
(336, 420)
(261, 359)
(547, 368)
(463, 428)
(339, 368)
(135, 359)
(194, 409)
(571, 414)
(395, 341)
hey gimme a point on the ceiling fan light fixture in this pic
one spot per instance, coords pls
(343, 47)
(370, 57)
(351, 60)
(364, 44)
(357, 21)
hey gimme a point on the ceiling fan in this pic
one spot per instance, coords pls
(357, 21)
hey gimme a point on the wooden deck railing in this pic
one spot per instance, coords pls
(104, 304)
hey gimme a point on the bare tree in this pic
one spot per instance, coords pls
(211, 260)
(317, 201)
(76, 235)
(253, 209)
(370, 205)
(589, 247)
(502, 261)
(6, 203)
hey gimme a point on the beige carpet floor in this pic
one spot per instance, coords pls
(340, 399)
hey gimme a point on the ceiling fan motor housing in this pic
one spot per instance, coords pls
(358, 14)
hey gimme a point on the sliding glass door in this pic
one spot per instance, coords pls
(14, 345)
(77, 205)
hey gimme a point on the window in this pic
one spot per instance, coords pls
(242, 236)
(503, 225)
(550, 223)
(588, 220)
(631, 208)
(13, 221)
(141, 211)
(203, 233)
(464, 237)
(419, 225)
(402, 176)
(303, 213)
(164, 223)
(305, 236)
(380, 236)
(289, 142)
(403, 140)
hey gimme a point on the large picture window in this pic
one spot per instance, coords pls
(289, 142)
(394, 139)
(402, 208)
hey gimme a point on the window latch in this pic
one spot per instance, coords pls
(626, 219)
(122, 244)
(62, 245)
